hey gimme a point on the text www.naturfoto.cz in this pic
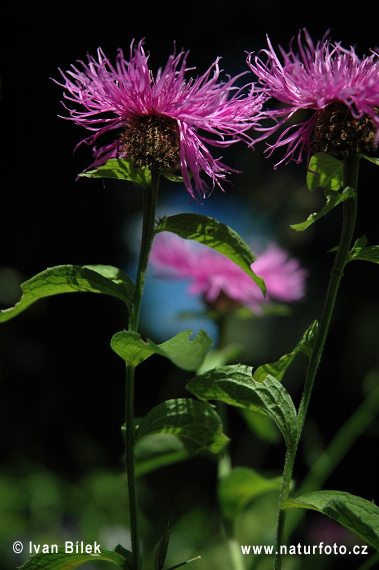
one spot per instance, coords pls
(300, 549)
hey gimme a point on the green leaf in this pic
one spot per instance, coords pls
(172, 176)
(158, 450)
(370, 253)
(360, 252)
(220, 357)
(332, 200)
(194, 423)
(69, 279)
(325, 171)
(63, 561)
(356, 514)
(121, 169)
(216, 235)
(278, 368)
(183, 352)
(240, 487)
(372, 159)
(161, 552)
(125, 554)
(235, 385)
(262, 426)
(360, 243)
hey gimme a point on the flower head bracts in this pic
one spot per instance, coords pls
(199, 112)
(213, 275)
(315, 78)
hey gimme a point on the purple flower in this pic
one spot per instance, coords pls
(222, 283)
(341, 90)
(166, 122)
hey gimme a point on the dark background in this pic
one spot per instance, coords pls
(61, 386)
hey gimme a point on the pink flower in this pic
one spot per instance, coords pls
(216, 277)
(166, 122)
(330, 81)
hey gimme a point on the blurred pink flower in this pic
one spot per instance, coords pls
(165, 122)
(215, 276)
(326, 79)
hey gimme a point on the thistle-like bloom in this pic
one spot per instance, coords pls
(222, 283)
(166, 122)
(341, 90)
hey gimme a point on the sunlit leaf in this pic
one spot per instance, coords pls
(240, 487)
(65, 561)
(121, 169)
(325, 171)
(278, 368)
(235, 386)
(356, 514)
(181, 350)
(194, 423)
(216, 235)
(69, 279)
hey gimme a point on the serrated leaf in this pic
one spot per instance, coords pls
(332, 200)
(63, 561)
(216, 235)
(181, 350)
(121, 169)
(235, 386)
(240, 487)
(278, 368)
(325, 171)
(353, 512)
(194, 423)
(69, 279)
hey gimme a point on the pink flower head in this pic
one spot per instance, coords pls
(319, 78)
(165, 122)
(213, 275)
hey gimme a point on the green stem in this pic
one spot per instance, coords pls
(342, 257)
(346, 436)
(149, 206)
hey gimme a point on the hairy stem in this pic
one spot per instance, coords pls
(349, 216)
(149, 206)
